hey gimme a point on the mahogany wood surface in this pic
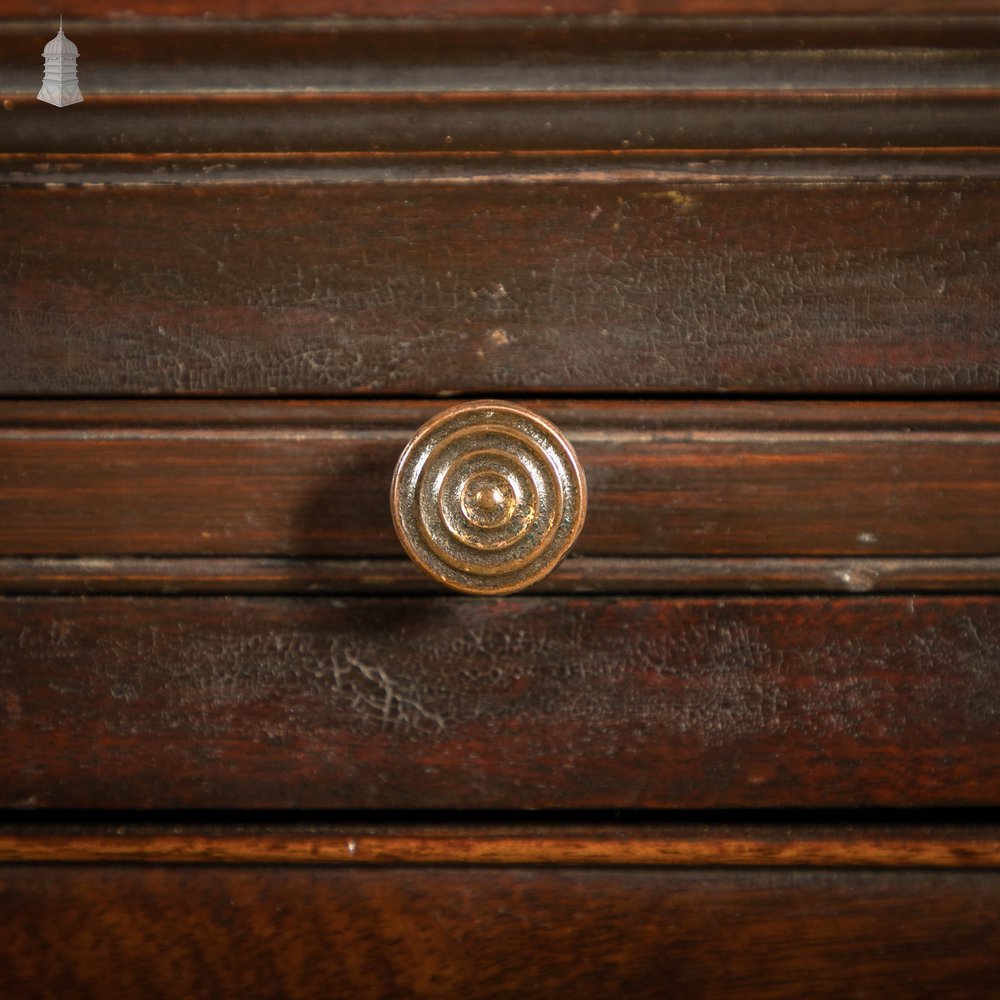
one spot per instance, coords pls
(441, 286)
(541, 702)
(201, 931)
(898, 844)
(665, 479)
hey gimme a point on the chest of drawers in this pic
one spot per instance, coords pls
(743, 741)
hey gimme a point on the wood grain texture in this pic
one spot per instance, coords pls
(211, 932)
(515, 703)
(576, 575)
(857, 845)
(437, 287)
(665, 479)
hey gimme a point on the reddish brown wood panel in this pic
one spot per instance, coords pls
(443, 287)
(209, 932)
(665, 479)
(517, 703)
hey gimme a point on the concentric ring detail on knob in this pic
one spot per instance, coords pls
(488, 497)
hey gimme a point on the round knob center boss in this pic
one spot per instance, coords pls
(488, 497)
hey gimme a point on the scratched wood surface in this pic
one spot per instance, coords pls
(665, 479)
(442, 286)
(527, 932)
(517, 703)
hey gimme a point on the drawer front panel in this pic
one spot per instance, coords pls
(665, 479)
(272, 931)
(425, 287)
(523, 702)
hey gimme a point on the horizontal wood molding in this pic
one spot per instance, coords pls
(901, 845)
(239, 124)
(185, 931)
(604, 84)
(576, 575)
(438, 287)
(627, 57)
(550, 702)
(666, 479)
(520, 168)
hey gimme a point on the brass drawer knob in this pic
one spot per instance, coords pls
(488, 497)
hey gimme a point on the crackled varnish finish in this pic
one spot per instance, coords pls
(774, 286)
(506, 703)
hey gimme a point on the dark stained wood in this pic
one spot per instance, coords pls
(116, 9)
(510, 703)
(237, 123)
(382, 202)
(799, 59)
(665, 479)
(238, 932)
(442, 287)
(865, 845)
(610, 85)
(576, 575)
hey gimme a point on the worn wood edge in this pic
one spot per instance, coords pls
(576, 575)
(638, 417)
(790, 847)
(843, 166)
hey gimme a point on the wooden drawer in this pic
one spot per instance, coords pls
(262, 702)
